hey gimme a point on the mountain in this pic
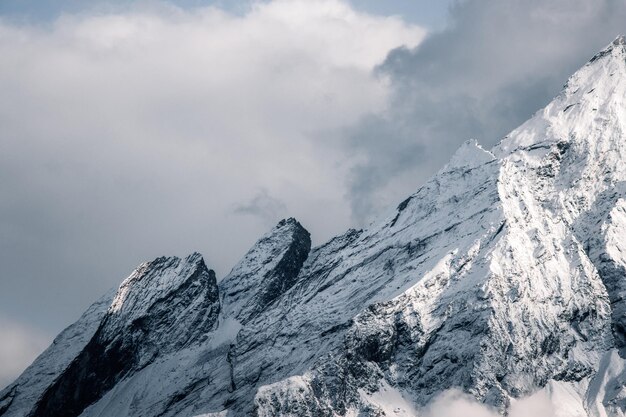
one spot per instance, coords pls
(503, 276)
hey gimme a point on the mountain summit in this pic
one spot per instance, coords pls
(502, 276)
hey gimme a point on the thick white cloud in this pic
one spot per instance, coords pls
(157, 131)
(20, 344)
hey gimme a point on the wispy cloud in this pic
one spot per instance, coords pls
(269, 209)
(454, 403)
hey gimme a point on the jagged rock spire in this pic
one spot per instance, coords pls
(163, 306)
(268, 270)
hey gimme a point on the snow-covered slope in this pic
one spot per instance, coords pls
(503, 276)
(20, 397)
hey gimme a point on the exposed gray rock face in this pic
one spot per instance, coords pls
(502, 276)
(163, 306)
(267, 271)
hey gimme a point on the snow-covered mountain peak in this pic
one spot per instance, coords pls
(618, 46)
(620, 40)
(593, 100)
(499, 256)
(154, 280)
(290, 222)
(268, 270)
(469, 155)
(153, 286)
(164, 306)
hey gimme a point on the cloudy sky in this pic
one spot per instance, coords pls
(130, 130)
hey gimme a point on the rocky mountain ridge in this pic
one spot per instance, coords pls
(502, 276)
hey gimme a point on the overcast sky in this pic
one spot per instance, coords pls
(160, 128)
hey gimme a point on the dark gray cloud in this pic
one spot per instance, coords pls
(493, 67)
